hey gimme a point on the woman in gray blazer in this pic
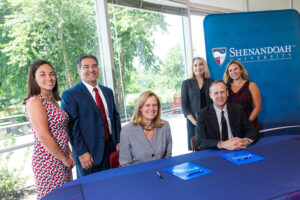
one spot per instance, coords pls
(195, 94)
(147, 137)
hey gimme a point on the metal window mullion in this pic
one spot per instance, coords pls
(105, 43)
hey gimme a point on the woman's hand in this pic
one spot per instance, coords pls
(37, 113)
(192, 119)
(71, 157)
(69, 161)
(256, 99)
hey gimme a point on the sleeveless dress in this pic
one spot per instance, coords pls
(244, 98)
(49, 172)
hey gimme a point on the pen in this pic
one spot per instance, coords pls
(160, 176)
(193, 172)
(241, 158)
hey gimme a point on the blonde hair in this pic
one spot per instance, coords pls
(137, 115)
(206, 69)
(226, 75)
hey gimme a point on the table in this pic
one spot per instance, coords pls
(278, 175)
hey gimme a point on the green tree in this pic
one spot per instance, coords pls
(54, 30)
(61, 30)
(4, 70)
(132, 37)
(11, 182)
(173, 69)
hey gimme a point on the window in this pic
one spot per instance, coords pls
(198, 36)
(148, 55)
(57, 31)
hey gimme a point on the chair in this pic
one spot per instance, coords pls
(193, 144)
(176, 104)
(114, 159)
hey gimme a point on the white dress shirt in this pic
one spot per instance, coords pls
(219, 113)
(90, 89)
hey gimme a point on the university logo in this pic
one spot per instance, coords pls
(219, 54)
(263, 53)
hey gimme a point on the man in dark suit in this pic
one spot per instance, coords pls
(223, 125)
(94, 126)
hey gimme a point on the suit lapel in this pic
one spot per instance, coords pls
(90, 100)
(195, 85)
(214, 120)
(138, 130)
(231, 116)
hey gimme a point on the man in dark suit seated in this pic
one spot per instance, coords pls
(223, 125)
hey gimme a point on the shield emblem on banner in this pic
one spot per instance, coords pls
(219, 54)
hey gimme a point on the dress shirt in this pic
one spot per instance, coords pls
(218, 112)
(90, 89)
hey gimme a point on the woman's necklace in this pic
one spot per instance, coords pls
(50, 99)
(148, 126)
(148, 129)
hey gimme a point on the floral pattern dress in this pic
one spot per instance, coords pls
(49, 172)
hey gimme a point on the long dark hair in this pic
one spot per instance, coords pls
(32, 87)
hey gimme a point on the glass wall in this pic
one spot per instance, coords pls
(57, 31)
(198, 35)
(148, 55)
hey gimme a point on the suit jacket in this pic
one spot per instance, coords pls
(86, 126)
(135, 147)
(208, 132)
(190, 96)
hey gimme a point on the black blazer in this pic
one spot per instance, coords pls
(208, 132)
(190, 96)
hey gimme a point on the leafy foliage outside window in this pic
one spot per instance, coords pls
(132, 32)
(137, 67)
(60, 31)
(54, 30)
(11, 182)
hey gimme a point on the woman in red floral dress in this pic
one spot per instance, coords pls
(52, 159)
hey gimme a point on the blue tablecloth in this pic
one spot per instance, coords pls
(278, 175)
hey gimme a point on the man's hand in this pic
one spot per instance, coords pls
(233, 144)
(118, 146)
(86, 161)
(245, 142)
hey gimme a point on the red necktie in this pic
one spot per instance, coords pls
(102, 112)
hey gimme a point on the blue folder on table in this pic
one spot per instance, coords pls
(188, 170)
(242, 157)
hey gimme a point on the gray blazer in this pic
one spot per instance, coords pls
(136, 148)
(190, 96)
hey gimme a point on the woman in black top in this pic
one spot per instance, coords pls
(195, 94)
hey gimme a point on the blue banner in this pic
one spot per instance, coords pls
(267, 44)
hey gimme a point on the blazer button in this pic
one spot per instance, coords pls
(102, 137)
(152, 155)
